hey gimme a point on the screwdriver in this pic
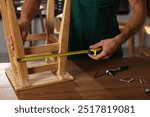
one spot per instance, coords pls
(118, 69)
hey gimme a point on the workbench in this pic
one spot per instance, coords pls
(85, 86)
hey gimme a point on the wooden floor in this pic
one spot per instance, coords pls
(85, 86)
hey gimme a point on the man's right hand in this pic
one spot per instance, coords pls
(24, 28)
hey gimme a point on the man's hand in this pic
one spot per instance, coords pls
(29, 10)
(133, 25)
(109, 47)
(24, 27)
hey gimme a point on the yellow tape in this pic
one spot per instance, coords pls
(93, 52)
(38, 57)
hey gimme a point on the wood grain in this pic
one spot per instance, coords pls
(85, 86)
(64, 37)
(18, 43)
(20, 77)
(40, 49)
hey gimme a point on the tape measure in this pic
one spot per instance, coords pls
(93, 52)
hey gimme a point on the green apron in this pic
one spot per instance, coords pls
(91, 22)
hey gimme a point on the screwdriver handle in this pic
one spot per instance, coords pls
(119, 69)
(124, 68)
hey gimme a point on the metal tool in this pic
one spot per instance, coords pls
(143, 81)
(127, 80)
(111, 72)
(108, 72)
(90, 51)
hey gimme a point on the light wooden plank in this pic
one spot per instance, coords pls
(34, 37)
(54, 47)
(37, 80)
(53, 38)
(18, 44)
(49, 24)
(63, 38)
(5, 22)
(49, 19)
(51, 67)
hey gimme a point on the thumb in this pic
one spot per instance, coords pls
(97, 45)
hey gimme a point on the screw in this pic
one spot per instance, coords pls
(127, 80)
(141, 81)
(109, 73)
(144, 81)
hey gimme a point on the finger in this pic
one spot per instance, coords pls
(24, 35)
(97, 45)
(99, 56)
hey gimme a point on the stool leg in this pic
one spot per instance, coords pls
(141, 44)
(63, 38)
(42, 21)
(131, 47)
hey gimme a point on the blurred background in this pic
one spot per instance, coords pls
(37, 25)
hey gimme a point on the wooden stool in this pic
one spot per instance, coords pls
(142, 49)
(31, 74)
(131, 48)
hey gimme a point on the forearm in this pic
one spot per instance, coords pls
(136, 21)
(29, 10)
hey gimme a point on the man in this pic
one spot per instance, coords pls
(93, 22)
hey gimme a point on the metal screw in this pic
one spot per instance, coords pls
(141, 81)
(127, 80)
(109, 73)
